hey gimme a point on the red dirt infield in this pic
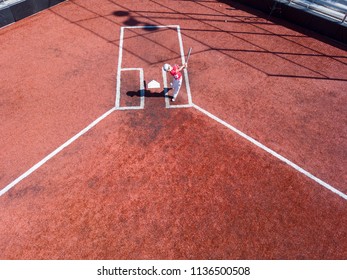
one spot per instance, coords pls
(170, 182)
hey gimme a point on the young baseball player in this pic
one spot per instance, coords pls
(176, 74)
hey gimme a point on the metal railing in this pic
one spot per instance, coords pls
(10, 2)
(335, 9)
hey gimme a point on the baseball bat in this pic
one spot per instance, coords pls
(189, 51)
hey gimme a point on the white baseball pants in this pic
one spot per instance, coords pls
(176, 85)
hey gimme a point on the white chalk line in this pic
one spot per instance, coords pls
(150, 26)
(125, 108)
(273, 153)
(120, 57)
(167, 101)
(142, 91)
(183, 61)
(54, 153)
(181, 106)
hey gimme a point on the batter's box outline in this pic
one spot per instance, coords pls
(142, 98)
(142, 91)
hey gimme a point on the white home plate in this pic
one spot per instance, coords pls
(153, 84)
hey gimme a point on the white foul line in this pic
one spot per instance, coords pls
(54, 153)
(278, 156)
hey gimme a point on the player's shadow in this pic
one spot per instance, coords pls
(150, 94)
(132, 21)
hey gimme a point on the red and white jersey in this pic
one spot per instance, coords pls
(175, 73)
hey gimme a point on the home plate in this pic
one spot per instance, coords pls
(153, 84)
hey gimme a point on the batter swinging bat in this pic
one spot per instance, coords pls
(190, 50)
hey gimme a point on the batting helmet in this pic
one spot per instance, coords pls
(166, 67)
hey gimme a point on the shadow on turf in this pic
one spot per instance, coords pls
(148, 93)
(256, 18)
(132, 21)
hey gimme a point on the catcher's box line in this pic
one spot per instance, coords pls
(273, 153)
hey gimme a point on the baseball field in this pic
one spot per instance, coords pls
(248, 163)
